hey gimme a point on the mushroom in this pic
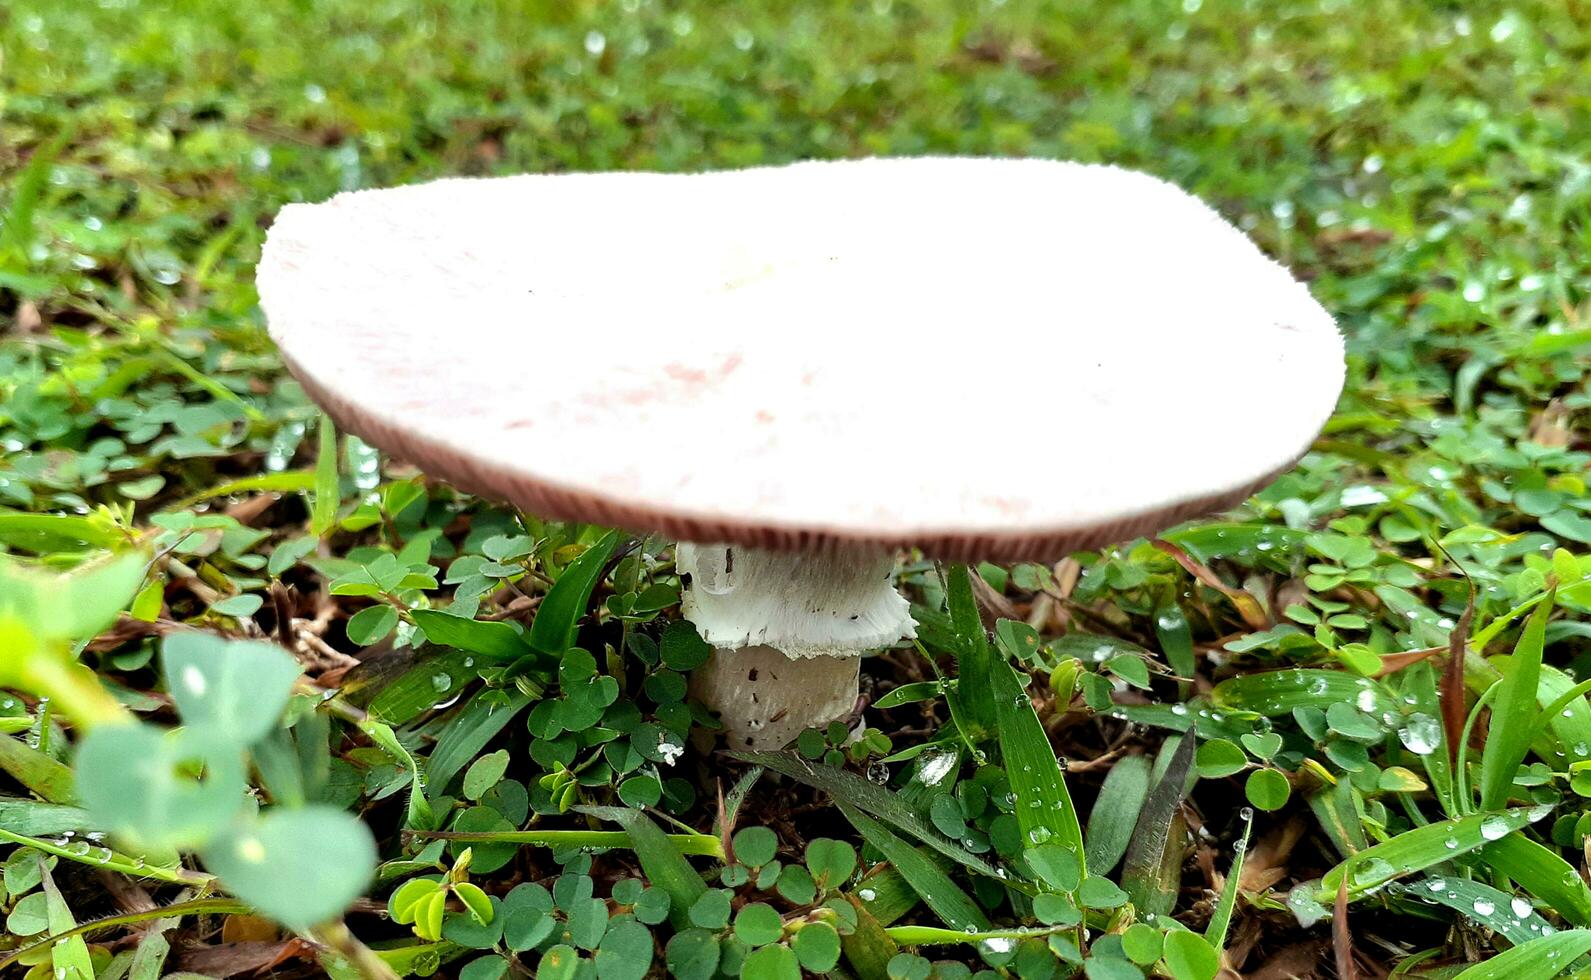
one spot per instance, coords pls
(801, 371)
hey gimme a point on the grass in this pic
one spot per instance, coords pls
(1422, 165)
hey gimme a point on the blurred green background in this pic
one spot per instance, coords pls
(1428, 158)
(1425, 165)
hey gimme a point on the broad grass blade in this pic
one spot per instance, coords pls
(927, 879)
(323, 510)
(935, 936)
(1482, 904)
(886, 894)
(412, 686)
(1338, 816)
(51, 780)
(868, 949)
(34, 819)
(1176, 640)
(664, 865)
(852, 790)
(1221, 918)
(1539, 870)
(1539, 959)
(497, 641)
(553, 629)
(1420, 848)
(464, 737)
(1278, 692)
(1419, 683)
(1514, 711)
(1142, 877)
(973, 657)
(1115, 813)
(1044, 810)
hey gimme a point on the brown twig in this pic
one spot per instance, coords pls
(1452, 698)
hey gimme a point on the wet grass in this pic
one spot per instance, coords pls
(1422, 165)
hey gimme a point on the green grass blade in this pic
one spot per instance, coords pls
(323, 510)
(41, 774)
(1420, 848)
(1115, 813)
(1278, 692)
(1334, 808)
(1564, 723)
(99, 856)
(852, 790)
(149, 960)
(1539, 959)
(299, 481)
(497, 641)
(44, 533)
(694, 845)
(419, 813)
(16, 231)
(1514, 711)
(1230, 727)
(1482, 904)
(1221, 918)
(660, 858)
(934, 936)
(411, 685)
(34, 819)
(886, 894)
(1044, 810)
(1419, 683)
(69, 954)
(1207, 540)
(1176, 640)
(1143, 874)
(464, 737)
(1539, 870)
(927, 879)
(868, 949)
(552, 631)
(198, 906)
(973, 657)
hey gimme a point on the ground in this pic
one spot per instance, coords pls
(1422, 165)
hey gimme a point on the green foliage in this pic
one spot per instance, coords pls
(520, 683)
(267, 860)
(186, 788)
(43, 616)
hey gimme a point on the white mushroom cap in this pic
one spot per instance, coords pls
(819, 355)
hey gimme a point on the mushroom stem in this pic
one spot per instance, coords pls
(766, 699)
(788, 631)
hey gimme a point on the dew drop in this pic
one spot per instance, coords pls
(1422, 734)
